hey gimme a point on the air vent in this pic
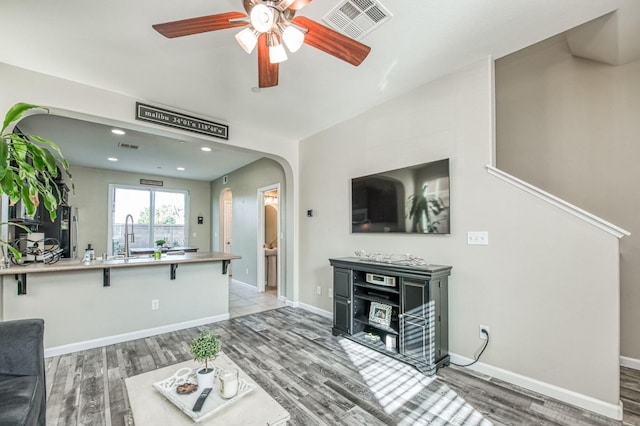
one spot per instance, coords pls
(357, 18)
(128, 146)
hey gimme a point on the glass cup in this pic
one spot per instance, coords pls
(229, 383)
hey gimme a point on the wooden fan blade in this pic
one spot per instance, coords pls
(201, 24)
(298, 4)
(267, 72)
(332, 42)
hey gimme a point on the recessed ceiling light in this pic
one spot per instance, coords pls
(180, 168)
(206, 149)
(117, 132)
(112, 159)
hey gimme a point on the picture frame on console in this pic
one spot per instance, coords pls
(380, 313)
(410, 200)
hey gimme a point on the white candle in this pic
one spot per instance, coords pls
(229, 383)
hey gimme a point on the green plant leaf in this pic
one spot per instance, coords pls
(205, 347)
(15, 112)
(14, 251)
(29, 207)
(51, 204)
(10, 187)
(29, 167)
(4, 152)
(51, 144)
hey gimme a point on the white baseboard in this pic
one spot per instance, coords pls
(570, 397)
(140, 334)
(315, 310)
(630, 362)
(290, 303)
(253, 287)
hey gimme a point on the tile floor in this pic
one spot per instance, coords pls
(245, 300)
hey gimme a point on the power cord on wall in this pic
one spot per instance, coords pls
(486, 343)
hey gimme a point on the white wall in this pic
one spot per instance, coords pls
(546, 285)
(570, 126)
(80, 312)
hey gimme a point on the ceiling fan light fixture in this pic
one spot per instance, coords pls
(262, 18)
(293, 38)
(247, 39)
(277, 53)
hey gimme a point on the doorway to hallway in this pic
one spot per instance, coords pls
(269, 238)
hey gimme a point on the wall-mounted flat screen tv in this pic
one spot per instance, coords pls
(410, 200)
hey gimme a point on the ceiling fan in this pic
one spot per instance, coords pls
(272, 23)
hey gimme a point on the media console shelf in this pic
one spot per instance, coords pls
(398, 310)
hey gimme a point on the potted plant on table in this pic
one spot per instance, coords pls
(30, 168)
(205, 348)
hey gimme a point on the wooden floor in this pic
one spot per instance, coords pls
(320, 379)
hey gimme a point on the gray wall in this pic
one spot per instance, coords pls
(525, 284)
(571, 126)
(244, 184)
(92, 200)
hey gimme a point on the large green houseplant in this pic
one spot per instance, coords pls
(30, 167)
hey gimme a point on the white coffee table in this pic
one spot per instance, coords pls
(151, 408)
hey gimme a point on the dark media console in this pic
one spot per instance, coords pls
(398, 310)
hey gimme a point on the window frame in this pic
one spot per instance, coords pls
(112, 189)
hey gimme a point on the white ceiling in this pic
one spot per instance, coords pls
(111, 45)
(92, 144)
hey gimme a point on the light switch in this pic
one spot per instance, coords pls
(478, 238)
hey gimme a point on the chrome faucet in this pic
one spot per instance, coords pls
(126, 235)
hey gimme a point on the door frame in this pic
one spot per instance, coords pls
(260, 269)
(223, 219)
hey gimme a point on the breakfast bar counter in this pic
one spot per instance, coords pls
(65, 265)
(90, 304)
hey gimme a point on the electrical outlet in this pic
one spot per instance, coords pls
(479, 238)
(319, 290)
(483, 329)
(330, 293)
(247, 271)
(155, 304)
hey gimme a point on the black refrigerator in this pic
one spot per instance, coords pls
(64, 229)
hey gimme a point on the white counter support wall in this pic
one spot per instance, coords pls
(80, 313)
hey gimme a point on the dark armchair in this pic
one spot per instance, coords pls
(22, 377)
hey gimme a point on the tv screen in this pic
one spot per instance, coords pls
(411, 200)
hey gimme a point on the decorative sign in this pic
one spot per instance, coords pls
(180, 121)
(151, 182)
